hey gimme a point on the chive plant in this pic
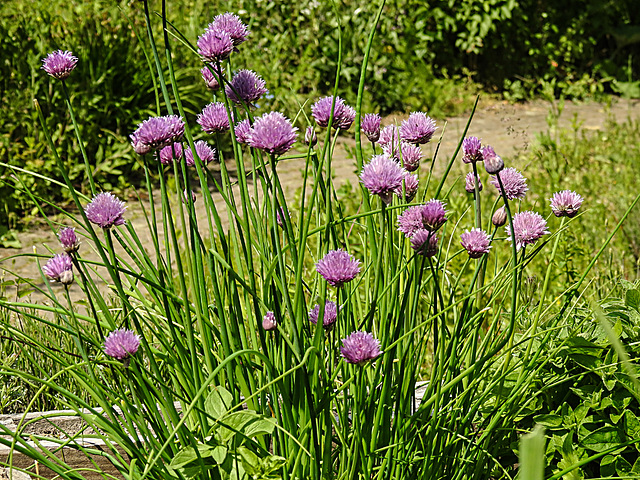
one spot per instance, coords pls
(285, 337)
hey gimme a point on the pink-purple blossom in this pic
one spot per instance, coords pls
(273, 133)
(242, 130)
(472, 150)
(246, 86)
(469, 183)
(566, 203)
(211, 80)
(418, 128)
(515, 185)
(424, 242)
(171, 153)
(59, 64)
(59, 268)
(410, 186)
(528, 228)
(493, 163)
(476, 242)
(434, 215)
(269, 322)
(204, 151)
(338, 267)
(360, 347)
(343, 114)
(382, 176)
(69, 239)
(330, 314)
(158, 132)
(231, 24)
(214, 118)
(370, 125)
(105, 210)
(410, 220)
(121, 344)
(214, 46)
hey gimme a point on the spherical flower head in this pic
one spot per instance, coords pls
(321, 111)
(470, 182)
(139, 147)
(407, 153)
(171, 153)
(528, 227)
(566, 203)
(433, 215)
(59, 268)
(69, 239)
(360, 347)
(273, 133)
(389, 137)
(370, 125)
(410, 221)
(492, 162)
(105, 210)
(121, 344)
(158, 132)
(476, 242)
(499, 217)
(338, 267)
(59, 64)
(214, 118)
(330, 314)
(424, 242)
(418, 128)
(382, 176)
(210, 80)
(410, 187)
(214, 46)
(246, 86)
(310, 137)
(231, 24)
(515, 185)
(472, 150)
(242, 130)
(204, 152)
(269, 322)
(346, 118)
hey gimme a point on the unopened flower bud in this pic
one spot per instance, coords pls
(269, 322)
(492, 161)
(499, 217)
(310, 137)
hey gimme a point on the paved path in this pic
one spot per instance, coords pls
(510, 129)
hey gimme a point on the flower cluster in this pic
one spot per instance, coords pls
(476, 242)
(121, 344)
(338, 267)
(273, 133)
(382, 176)
(59, 64)
(418, 128)
(360, 348)
(330, 314)
(528, 228)
(221, 36)
(246, 86)
(59, 268)
(105, 210)
(156, 133)
(343, 114)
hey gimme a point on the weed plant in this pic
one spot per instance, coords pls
(286, 338)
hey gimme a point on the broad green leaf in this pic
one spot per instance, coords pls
(218, 402)
(219, 454)
(531, 454)
(550, 420)
(632, 299)
(188, 455)
(249, 424)
(632, 424)
(603, 438)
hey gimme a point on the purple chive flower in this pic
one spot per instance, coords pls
(346, 118)
(410, 187)
(310, 137)
(273, 133)
(269, 322)
(338, 267)
(59, 268)
(246, 86)
(214, 118)
(408, 153)
(566, 203)
(370, 125)
(171, 153)
(360, 347)
(158, 132)
(528, 227)
(410, 221)
(476, 242)
(515, 185)
(121, 344)
(243, 129)
(105, 210)
(433, 215)
(424, 242)
(469, 184)
(69, 239)
(210, 79)
(59, 64)
(330, 314)
(204, 152)
(280, 217)
(492, 162)
(389, 137)
(418, 128)
(499, 217)
(214, 46)
(472, 150)
(382, 176)
(231, 24)
(139, 147)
